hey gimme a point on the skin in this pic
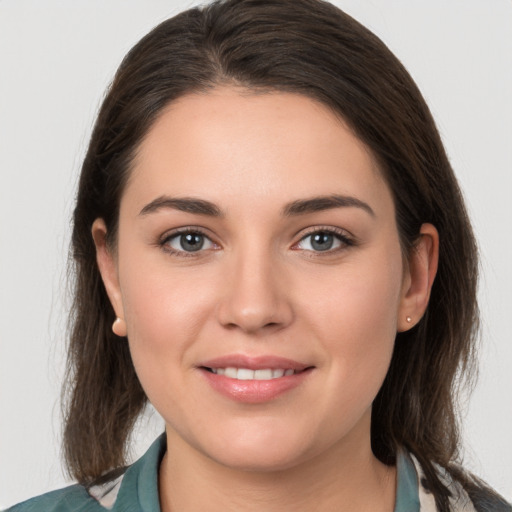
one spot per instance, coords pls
(259, 287)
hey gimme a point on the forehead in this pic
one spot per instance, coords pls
(232, 143)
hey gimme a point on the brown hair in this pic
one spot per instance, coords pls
(312, 48)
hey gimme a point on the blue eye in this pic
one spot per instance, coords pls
(323, 241)
(187, 242)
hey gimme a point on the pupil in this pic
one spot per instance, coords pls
(322, 241)
(192, 241)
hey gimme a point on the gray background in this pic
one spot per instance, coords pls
(57, 57)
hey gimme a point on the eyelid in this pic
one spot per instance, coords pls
(345, 237)
(180, 231)
(173, 233)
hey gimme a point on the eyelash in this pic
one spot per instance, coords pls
(340, 235)
(190, 230)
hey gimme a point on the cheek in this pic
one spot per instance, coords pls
(355, 316)
(358, 298)
(164, 310)
(164, 317)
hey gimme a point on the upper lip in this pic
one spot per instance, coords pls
(254, 362)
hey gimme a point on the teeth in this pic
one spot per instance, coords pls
(232, 373)
(248, 374)
(244, 374)
(263, 374)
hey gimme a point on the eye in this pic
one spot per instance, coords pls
(187, 242)
(324, 241)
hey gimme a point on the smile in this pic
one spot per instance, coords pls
(254, 380)
(248, 374)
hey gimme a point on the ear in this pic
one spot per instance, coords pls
(107, 266)
(418, 278)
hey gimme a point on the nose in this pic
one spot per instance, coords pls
(256, 297)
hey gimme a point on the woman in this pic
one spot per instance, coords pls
(258, 226)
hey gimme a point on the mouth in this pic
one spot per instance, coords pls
(254, 379)
(249, 374)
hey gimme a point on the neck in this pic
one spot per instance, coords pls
(346, 477)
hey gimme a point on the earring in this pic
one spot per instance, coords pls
(119, 327)
(409, 319)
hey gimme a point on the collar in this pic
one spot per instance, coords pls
(139, 487)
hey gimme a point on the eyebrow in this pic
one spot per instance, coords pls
(299, 207)
(184, 204)
(321, 203)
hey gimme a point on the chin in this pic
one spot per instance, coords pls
(259, 451)
(260, 460)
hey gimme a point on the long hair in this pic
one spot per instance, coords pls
(312, 48)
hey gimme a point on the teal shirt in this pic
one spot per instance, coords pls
(139, 489)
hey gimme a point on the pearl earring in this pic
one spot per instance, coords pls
(119, 327)
(409, 319)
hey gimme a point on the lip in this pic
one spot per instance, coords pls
(254, 391)
(254, 362)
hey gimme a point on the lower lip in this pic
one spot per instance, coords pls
(254, 391)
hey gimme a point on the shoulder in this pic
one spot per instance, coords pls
(130, 489)
(471, 496)
(486, 499)
(74, 498)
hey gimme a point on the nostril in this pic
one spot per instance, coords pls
(254, 312)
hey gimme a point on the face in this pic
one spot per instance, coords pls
(259, 272)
